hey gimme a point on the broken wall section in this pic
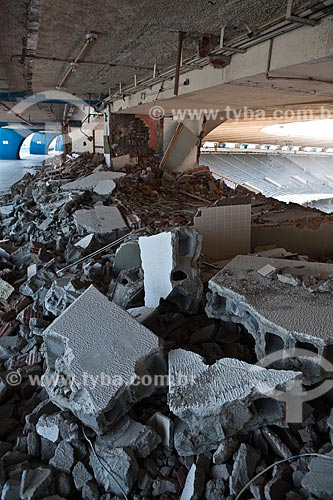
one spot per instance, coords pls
(137, 135)
(170, 265)
(225, 228)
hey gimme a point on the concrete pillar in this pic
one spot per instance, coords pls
(67, 141)
(106, 136)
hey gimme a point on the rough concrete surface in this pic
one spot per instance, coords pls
(92, 181)
(73, 348)
(100, 220)
(278, 315)
(220, 400)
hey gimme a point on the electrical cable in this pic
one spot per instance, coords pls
(104, 466)
(294, 457)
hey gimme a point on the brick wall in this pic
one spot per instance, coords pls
(137, 135)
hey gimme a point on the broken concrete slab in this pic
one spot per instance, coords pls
(225, 398)
(127, 289)
(246, 460)
(128, 433)
(6, 290)
(277, 315)
(122, 464)
(170, 265)
(120, 162)
(100, 386)
(100, 220)
(11, 490)
(48, 426)
(86, 243)
(63, 458)
(81, 476)
(319, 480)
(91, 181)
(105, 188)
(35, 483)
(195, 482)
(164, 427)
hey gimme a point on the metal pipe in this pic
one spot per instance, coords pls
(263, 33)
(91, 37)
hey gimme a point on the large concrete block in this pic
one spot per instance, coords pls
(280, 311)
(100, 220)
(220, 400)
(90, 182)
(95, 353)
(170, 265)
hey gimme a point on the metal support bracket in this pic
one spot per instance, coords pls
(226, 47)
(297, 19)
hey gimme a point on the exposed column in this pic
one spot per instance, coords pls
(106, 136)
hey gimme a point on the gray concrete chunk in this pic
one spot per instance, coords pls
(91, 181)
(6, 289)
(96, 351)
(222, 399)
(130, 434)
(246, 460)
(122, 464)
(35, 483)
(81, 476)
(100, 220)
(63, 459)
(319, 480)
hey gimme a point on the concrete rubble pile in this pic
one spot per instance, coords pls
(120, 378)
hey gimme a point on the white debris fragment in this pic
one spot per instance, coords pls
(169, 262)
(267, 270)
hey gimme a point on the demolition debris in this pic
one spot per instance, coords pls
(102, 273)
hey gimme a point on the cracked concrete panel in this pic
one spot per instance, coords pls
(278, 315)
(319, 480)
(222, 399)
(91, 181)
(169, 262)
(95, 352)
(100, 220)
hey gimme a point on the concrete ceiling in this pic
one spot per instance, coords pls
(248, 130)
(133, 33)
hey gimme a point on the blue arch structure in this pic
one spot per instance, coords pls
(40, 143)
(59, 145)
(11, 141)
